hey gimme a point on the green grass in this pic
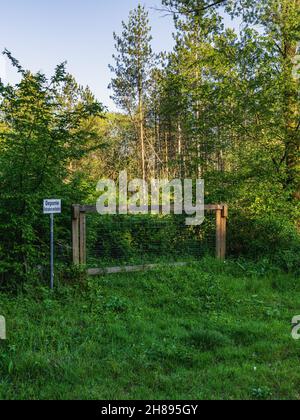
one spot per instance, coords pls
(208, 331)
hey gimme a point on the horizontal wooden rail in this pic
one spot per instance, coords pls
(130, 269)
(89, 209)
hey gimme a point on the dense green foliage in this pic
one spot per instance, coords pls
(223, 106)
(41, 134)
(208, 331)
(143, 239)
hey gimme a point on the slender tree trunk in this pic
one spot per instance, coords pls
(167, 153)
(157, 143)
(142, 133)
(292, 112)
(179, 151)
(199, 140)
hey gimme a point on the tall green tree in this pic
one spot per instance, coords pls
(41, 132)
(133, 64)
(192, 78)
(261, 106)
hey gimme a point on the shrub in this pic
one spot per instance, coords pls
(39, 137)
(257, 238)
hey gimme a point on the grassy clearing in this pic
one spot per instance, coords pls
(209, 331)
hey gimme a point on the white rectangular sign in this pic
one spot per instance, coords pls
(52, 206)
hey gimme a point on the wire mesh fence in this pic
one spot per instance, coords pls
(117, 240)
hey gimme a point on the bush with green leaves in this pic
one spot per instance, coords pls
(259, 238)
(42, 132)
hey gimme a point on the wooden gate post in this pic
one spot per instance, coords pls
(75, 233)
(82, 238)
(218, 233)
(224, 231)
(221, 232)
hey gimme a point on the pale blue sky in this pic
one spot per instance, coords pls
(43, 33)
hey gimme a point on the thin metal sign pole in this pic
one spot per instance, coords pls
(51, 251)
(52, 207)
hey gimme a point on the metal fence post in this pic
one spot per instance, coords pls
(51, 251)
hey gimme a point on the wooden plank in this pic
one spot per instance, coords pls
(130, 269)
(225, 211)
(75, 234)
(76, 211)
(82, 238)
(219, 234)
(213, 207)
(225, 214)
(88, 209)
(75, 241)
(208, 207)
(223, 238)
